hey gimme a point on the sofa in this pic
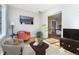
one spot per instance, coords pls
(10, 49)
(21, 49)
(70, 45)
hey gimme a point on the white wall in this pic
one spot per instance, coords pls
(71, 16)
(13, 16)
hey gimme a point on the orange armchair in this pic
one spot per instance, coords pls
(22, 35)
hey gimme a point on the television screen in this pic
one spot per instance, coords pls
(71, 33)
(26, 20)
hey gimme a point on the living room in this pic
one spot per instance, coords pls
(13, 22)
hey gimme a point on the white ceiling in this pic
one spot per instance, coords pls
(34, 7)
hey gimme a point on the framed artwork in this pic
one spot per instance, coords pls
(26, 20)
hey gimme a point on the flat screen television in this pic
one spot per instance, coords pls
(26, 20)
(71, 33)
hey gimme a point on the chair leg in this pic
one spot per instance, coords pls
(21, 51)
(5, 53)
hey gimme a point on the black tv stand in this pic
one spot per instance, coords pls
(70, 45)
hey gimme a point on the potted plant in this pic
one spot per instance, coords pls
(39, 36)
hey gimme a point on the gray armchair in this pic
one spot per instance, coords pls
(10, 49)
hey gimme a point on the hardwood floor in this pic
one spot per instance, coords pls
(53, 35)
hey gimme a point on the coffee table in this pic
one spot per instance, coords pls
(39, 50)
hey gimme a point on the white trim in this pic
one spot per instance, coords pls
(61, 25)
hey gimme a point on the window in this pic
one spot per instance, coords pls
(0, 19)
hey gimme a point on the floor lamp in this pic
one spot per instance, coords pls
(12, 26)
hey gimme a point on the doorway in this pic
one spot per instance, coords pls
(54, 25)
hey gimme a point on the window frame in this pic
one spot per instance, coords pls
(3, 22)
